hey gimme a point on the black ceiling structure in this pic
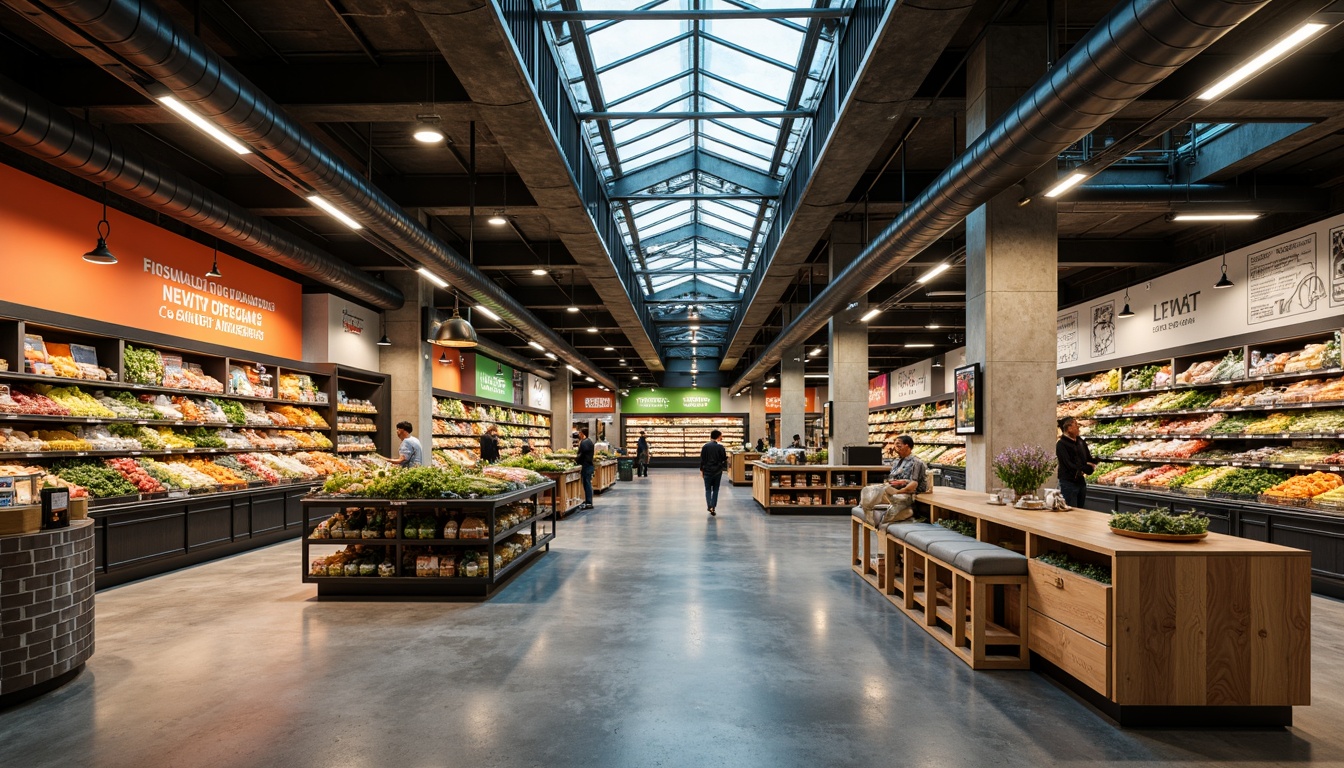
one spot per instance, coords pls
(712, 196)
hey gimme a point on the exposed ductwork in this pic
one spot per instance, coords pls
(47, 132)
(140, 42)
(1136, 46)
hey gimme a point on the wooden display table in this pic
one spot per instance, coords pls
(604, 475)
(741, 466)
(567, 495)
(811, 489)
(1216, 631)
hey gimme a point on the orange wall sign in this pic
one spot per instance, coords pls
(157, 284)
(593, 400)
(809, 400)
(456, 375)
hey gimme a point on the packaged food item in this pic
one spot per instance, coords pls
(427, 565)
(34, 352)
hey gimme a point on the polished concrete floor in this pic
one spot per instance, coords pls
(650, 635)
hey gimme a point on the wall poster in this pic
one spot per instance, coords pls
(966, 400)
(1337, 267)
(1066, 340)
(1283, 280)
(1103, 329)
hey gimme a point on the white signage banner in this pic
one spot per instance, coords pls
(1279, 282)
(913, 382)
(538, 392)
(951, 362)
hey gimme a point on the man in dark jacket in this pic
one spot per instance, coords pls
(490, 444)
(713, 460)
(1075, 462)
(642, 455)
(585, 460)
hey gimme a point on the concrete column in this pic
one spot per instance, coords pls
(848, 353)
(1011, 272)
(792, 397)
(562, 409)
(408, 360)
(756, 413)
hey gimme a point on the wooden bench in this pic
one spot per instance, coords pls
(968, 594)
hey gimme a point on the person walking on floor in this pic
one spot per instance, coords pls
(410, 454)
(642, 455)
(1075, 462)
(585, 459)
(490, 444)
(713, 460)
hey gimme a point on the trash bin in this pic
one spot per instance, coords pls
(626, 468)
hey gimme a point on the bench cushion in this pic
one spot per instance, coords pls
(948, 549)
(996, 561)
(903, 529)
(922, 539)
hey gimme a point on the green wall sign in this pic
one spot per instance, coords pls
(492, 385)
(671, 400)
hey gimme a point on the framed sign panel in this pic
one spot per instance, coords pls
(966, 419)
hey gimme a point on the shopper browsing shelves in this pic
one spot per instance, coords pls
(410, 454)
(713, 460)
(490, 444)
(585, 461)
(1075, 462)
(642, 455)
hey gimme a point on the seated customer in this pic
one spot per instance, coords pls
(909, 476)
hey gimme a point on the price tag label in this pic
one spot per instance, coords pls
(34, 455)
(81, 453)
(135, 453)
(1307, 466)
(11, 416)
(1276, 466)
(1235, 464)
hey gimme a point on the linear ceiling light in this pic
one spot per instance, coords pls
(1294, 40)
(1215, 216)
(539, 272)
(484, 310)
(203, 125)
(932, 273)
(431, 277)
(1065, 184)
(588, 378)
(551, 355)
(536, 346)
(918, 346)
(816, 375)
(334, 212)
(870, 314)
(572, 369)
(944, 293)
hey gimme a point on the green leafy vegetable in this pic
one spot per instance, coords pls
(964, 527)
(1160, 520)
(142, 366)
(1099, 573)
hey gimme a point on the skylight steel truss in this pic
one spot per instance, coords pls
(694, 112)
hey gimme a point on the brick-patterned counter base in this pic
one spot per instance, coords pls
(46, 609)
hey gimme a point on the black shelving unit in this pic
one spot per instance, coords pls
(684, 450)
(402, 586)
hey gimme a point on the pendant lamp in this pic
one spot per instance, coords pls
(1126, 311)
(214, 265)
(1223, 282)
(456, 332)
(100, 254)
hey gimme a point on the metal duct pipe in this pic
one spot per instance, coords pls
(1193, 197)
(1136, 46)
(41, 129)
(143, 38)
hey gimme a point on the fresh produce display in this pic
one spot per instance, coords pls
(424, 483)
(100, 480)
(1189, 476)
(1099, 573)
(136, 475)
(1247, 482)
(355, 561)
(1146, 377)
(1102, 469)
(78, 402)
(142, 366)
(1305, 486)
(538, 464)
(1160, 521)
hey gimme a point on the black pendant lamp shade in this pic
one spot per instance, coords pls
(1223, 282)
(456, 332)
(1126, 312)
(384, 341)
(100, 254)
(214, 264)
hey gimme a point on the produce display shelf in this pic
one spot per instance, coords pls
(1294, 376)
(45, 419)
(60, 381)
(1230, 463)
(1233, 409)
(1219, 436)
(338, 449)
(113, 504)
(492, 421)
(357, 431)
(485, 502)
(165, 452)
(340, 409)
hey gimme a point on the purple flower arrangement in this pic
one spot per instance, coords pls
(1024, 468)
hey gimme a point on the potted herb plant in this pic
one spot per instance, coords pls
(1024, 468)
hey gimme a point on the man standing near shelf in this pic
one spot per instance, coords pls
(410, 454)
(713, 460)
(585, 460)
(642, 455)
(1075, 462)
(490, 444)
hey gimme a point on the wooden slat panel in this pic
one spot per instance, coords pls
(140, 536)
(209, 523)
(1076, 602)
(1075, 653)
(1280, 637)
(1190, 673)
(1145, 623)
(1227, 640)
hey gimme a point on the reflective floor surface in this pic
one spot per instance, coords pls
(650, 635)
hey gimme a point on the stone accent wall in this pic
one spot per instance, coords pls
(46, 605)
